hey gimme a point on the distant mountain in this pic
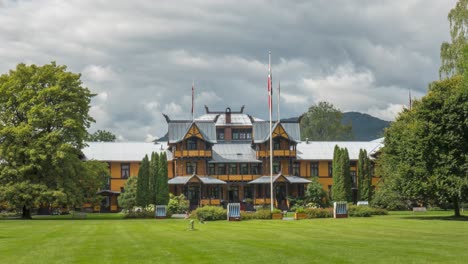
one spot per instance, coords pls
(365, 127)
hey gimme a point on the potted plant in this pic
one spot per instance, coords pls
(276, 214)
(300, 213)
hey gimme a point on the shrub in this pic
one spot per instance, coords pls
(276, 211)
(248, 215)
(365, 211)
(263, 214)
(177, 204)
(139, 212)
(300, 210)
(319, 212)
(210, 213)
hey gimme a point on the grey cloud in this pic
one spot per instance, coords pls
(144, 54)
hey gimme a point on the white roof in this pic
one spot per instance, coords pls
(122, 151)
(323, 150)
(237, 119)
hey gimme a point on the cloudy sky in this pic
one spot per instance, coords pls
(140, 57)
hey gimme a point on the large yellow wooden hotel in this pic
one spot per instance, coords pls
(224, 156)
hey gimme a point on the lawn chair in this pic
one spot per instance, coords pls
(340, 210)
(233, 212)
(160, 211)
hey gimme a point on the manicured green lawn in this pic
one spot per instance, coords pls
(397, 238)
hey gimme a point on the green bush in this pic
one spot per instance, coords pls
(319, 212)
(248, 215)
(177, 204)
(210, 213)
(300, 210)
(365, 211)
(263, 214)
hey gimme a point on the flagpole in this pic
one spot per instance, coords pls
(193, 95)
(270, 98)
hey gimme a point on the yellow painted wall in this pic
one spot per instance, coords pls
(323, 168)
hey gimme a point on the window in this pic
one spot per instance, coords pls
(244, 169)
(330, 191)
(125, 170)
(211, 169)
(352, 163)
(353, 177)
(300, 190)
(276, 167)
(221, 169)
(191, 144)
(296, 169)
(276, 144)
(122, 189)
(220, 133)
(255, 169)
(248, 192)
(241, 134)
(190, 167)
(213, 192)
(314, 169)
(330, 169)
(232, 169)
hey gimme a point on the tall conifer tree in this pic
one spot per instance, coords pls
(338, 187)
(142, 183)
(162, 187)
(153, 178)
(346, 175)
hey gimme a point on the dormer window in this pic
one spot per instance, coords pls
(276, 144)
(191, 144)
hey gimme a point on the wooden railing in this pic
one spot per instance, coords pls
(192, 153)
(236, 177)
(204, 202)
(259, 201)
(276, 153)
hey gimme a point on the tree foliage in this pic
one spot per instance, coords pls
(342, 182)
(43, 123)
(127, 199)
(316, 194)
(101, 136)
(153, 178)
(426, 148)
(323, 122)
(451, 54)
(364, 176)
(162, 186)
(142, 190)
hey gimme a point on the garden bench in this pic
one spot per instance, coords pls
(362, 203)
(160, 211)
(419, 209)
(340, 210)
(233, 212)
(79, 215)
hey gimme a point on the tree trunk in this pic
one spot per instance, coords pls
(26, 213)
(456, 206)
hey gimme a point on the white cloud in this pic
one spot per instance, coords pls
(389, 113)
(97, 73)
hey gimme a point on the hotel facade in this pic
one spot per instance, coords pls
(224, 156)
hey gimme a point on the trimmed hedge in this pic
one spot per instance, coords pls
(365, 211)
(259, 214)
(210, 213)
(319, 212)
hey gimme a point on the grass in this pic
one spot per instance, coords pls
(106, 238)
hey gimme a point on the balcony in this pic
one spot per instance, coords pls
(276, 153)
(236, 177)
(193, 154)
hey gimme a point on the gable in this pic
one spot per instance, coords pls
(280, 132)
(193, 132)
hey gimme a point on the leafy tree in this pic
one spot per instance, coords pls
(153, 178)
(162, 186)
(142, 190)
(43, 122)
(316, 194)
(426, 147)
(451, 54)
(323, 122)
(101, 136)
(364, 176)
(127, 199)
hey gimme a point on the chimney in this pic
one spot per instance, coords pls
(228, 115)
